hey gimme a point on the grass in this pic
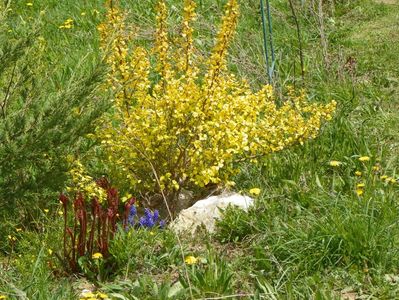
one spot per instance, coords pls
(310, 235)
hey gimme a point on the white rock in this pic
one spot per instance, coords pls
(205, 212)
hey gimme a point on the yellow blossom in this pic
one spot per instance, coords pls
(84, 183)
(18, 229)
(97, 255)
(359, 192)
(360, 185)
(102, 295)
(364, 158)
(193, 124)
(86, 294)
(376, 168)
(358, 173)
(335, 163)
(50, 251)
(67, 24)
(11, 238)
(254, 191)
(46, 210)
(383, 177)
(29, 4)
(3, 297)
(190, 260)
(60, 212)
(388, 179)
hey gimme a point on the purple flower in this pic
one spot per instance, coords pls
(149, 219)
(132, 214)
(162, 224)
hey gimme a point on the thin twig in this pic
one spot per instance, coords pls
(7, 95)
(168, 209)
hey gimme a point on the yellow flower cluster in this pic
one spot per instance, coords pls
(83, 183)
(68, 24)
(191, 260)
(88, 295)
(188, 128)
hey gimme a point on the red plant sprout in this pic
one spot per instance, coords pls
(94, 224)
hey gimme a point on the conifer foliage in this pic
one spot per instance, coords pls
(43, 116)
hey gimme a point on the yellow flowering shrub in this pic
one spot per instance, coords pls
(83, 183)
(184, 126)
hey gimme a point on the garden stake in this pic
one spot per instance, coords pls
(268, 40)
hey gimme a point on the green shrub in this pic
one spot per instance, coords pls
(44, 113)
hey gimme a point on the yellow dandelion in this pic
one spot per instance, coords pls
(102, 295)
(254, 191)
(359, 192)
(18, 229)
(46, 210)
(364, 158)
(88, 295)
(191, 260)
(3, 297)
(12, 238)
(335, 163)
(393, 180)
(29, 4)
(358, 173)
(383, 177)
(376, 168)
(360, 185)
(60, 212)
(50, 251)
(82, 13)
(97, 255)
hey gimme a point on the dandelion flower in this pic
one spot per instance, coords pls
(376, 168)
(12, 238)
(254, 191)
(3, 297)
(383, 177)
(102, 296)
(360, 185)
(335, 163)
(50, 251)
(364, 158)
(191, 260)
(46, 210)
(358, 173)
(29, 4)
(359, 192)
(97, 255)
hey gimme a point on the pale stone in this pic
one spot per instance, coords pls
(205, 212)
